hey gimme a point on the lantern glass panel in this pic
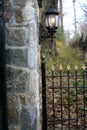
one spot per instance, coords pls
(57, 21)
(52, 20)
(46, 21)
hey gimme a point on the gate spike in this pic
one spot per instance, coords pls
(76, 67)
(53, 68)
(83, 67)
(60, 67)
(68, 67)
(42, 58)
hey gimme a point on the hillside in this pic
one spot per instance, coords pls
(66, 55)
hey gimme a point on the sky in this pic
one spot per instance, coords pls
(68, 19)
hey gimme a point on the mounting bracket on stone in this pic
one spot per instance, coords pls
(44, 35)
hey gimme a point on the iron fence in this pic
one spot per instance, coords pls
(64, 99)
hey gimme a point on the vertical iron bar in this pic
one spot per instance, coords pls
(61, 99)
(84, 95)
(76, 99)
(53, 100)
(44, 107)
(68, 97)
(3, 95)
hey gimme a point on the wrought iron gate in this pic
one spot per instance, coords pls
(64, 97)
(3, 102)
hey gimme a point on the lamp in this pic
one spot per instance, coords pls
(51, 20)
(50, 25)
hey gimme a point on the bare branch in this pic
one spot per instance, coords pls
(84, 10)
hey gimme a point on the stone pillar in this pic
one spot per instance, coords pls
(22, 64)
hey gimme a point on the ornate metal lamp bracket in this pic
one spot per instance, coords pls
(43, 34)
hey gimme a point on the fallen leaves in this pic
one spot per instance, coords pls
(66, 105)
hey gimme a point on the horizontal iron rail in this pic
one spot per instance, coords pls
(65, 119)
(66, 87)
(65, 75)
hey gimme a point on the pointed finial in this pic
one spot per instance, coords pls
(76, 67)
(83, 67)
(60, 67)
(53, 68)
(43, 58)
(68, 67)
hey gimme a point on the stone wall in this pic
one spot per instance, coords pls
(22, 64)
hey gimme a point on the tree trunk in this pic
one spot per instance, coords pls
(61, 16)
(74, 16)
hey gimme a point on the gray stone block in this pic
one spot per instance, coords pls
(32, 34)
(26, 13)
(18, 36)
(14, 128)
(29, 118)
(20, 3)
(32, 58)
(8, 13)
(16, 80)
(16, 57)
(13, 110)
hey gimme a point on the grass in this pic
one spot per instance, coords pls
(66, 55)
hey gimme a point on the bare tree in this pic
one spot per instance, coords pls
(61, 14)
(83, 7)
(74, 16)
(83, 27)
